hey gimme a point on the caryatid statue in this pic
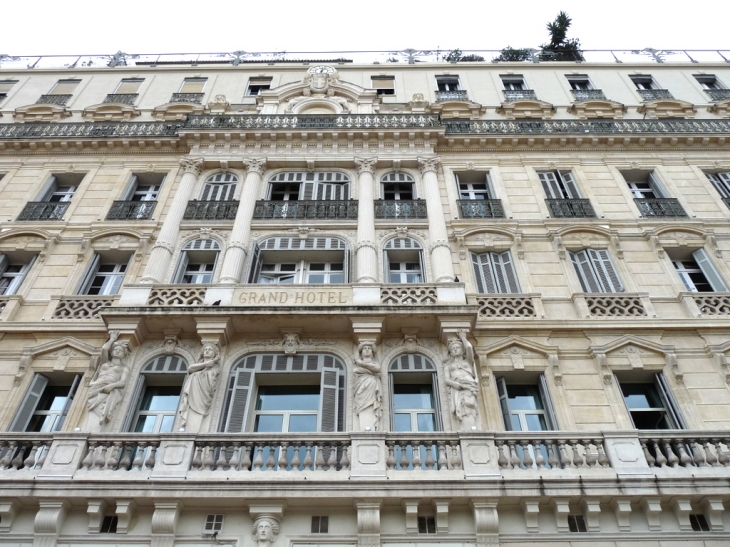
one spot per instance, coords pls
(368, 395)
(461, 381)
(107, 387)
(200, 387)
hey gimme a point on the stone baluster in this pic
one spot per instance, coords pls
(236, 252)
(197, 458)
(296, 460)
(455, 456)
(526, 457)
(539, 458)
(161, 254)
(722, 456)
(221, 463)
(443, 462)
(308, 456)
(258, 460)
(150, 462)
(441, 263)
(404, 455)
(390, 462)
(345, 460)
(602, 458)
(235, 461)
(332, 460)
(271, 460)
(366, 253)
(553, 459)
(710, 457)
(283, 455)
(647, 454)
(514, 460)
(319, 459)
(30, 460)
(501, 459)
(416, 456)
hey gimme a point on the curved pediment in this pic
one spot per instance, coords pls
(720, 108)
(459, 109)
(597, 108)
(526, 108)
(176, 111)
(667, 108)
(41, 113)
(110, 112)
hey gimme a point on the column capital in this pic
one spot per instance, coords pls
(255, 165)
(365, 165)
(429, 164)
(192, 165)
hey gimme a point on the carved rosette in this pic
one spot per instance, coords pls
(192, 165)
(427, 165)
(365, 165)
(257, 165)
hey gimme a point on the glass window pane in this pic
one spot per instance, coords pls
(269, 423)
(145, 424)
(524, 397)
(160, 398)
(426, 422)
(316, 278)
(536, 422)
(288, 398)
(516, 425)
(167, 422)
(641, 396)
(300, 423)
(402, 422)
(412, 396)
(337, 278)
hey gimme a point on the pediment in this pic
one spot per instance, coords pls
(720, 108)
(110, 112)
(459, 109)
(64, 354)
(34, 241)
(529, 346)
(41, 113)
(597, 108)
(667, 108)
(526, 108)
(176, 111)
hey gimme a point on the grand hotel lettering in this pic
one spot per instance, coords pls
(296, 297)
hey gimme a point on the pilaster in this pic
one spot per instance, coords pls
(366, 250)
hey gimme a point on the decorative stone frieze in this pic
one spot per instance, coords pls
(667, 108)
(177, 111)
(597, 109)
(41, 113)
(110, 112)
(526, 108)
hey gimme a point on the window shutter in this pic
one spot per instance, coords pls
(256, 262)
(139, 386)
(504, 270)
(422, 263)
(583, 268)
(182, 265)
(490, 188)
(548, 404)
(550, 184)
(207, 191)
(570, 186)
(328, 416)
(346, 266)
(669, 401)
(708, 268)
(238, 393)
(29, 404)
(227, 192)
(48, 190)
(386, 267)
(722, 183)
(477, 266)
(306, 190)
(90, 274)
(131, 187)
(504, 403)
(18, 279)
(656, 186)
(607, 275)
(4, 263)
(69, 400)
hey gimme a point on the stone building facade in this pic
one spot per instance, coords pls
(331, 303)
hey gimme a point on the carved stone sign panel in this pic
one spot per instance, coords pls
(290, 296)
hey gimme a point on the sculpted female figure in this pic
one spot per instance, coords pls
(368, 387)
(461, 379)
(105, 390)
(199, 388)
(265, 529)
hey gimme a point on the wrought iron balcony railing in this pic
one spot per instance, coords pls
(570, 208)
(88, 130)
(315, 210)
(588, 94)
(560, 127)
(196, 98)
(660, 207)
(211, 210)
(313, 121)
(653, 94)
(59, 100)
(392, 208)
(455, 95)
(718, 94)
(131, 210)
(519, 94)
(121, 98)
(43, 210)
(480, 208)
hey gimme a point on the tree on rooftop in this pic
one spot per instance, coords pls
(560, 47)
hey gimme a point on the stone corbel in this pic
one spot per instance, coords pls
(164, 521)
(656, 245)
(622, 510)
(486, 374)
(131, 329)
(442, 516)
(519, 247)
(23, 366)
(214, 329)
(96, 509)
(47, 246)
(554, 364)
(559, 247)
(652, 508)
(368, 523)
(616, 243)
(531, 510)
(82, 250)
(49, 520)
(671, 359)
(367, 328)
(411, 509)
(486, 522)
(721, 359)
(8, 510)
(401, 232)
(606, 373)
(462, 248)
(561, 508)
(712, 243)
(125, 513)
(592, 514)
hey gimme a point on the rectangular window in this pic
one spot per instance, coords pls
(6, 85)
(384, 85)
(414, 407)
(643, 82)
(257, 85)
(494, 273)
(193, 85)
(157, 409)
(698, 522)
(596, 271)
(652, 405)
(721, 182)
(46, 404)
(128, 86)
(698, 273)
(426, 525)
(513, 83)
(558, 184)
(579, 82)
(447, 83)
(577, 523)
(474, 185)
(104, 276)
(644, 185)
(320, 525)
(708, 81)
(109, 525)
(64, 87)
(13, 271)
(213, 523)
(526, 407)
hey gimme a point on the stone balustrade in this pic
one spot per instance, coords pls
(23, 452)
(82, 307)
(550, 450)
(685, 449)
(502, 306)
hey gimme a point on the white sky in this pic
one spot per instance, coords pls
(34, 27)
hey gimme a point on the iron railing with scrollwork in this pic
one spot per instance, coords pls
(88, 130)
(196, 98)
(519, 94)
(588, 94)
(480, 208)
(121, 98)
(315, 210)
(718, 94)
(131, 210)
(570, 208)
(211, 210)
(559, 127)
(43, 210)
(403, 208)
(59, 100)
(454, 95)
(660, 207)
(654, 94)
(313, 121)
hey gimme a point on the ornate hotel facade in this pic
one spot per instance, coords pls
(269, 302)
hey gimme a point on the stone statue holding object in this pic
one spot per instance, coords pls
(107, 387)
(200, 387)
(461, 380)
(368, 387)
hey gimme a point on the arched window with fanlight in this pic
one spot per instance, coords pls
(219, 187)
(198, 259)
(403, 261)
(291, 260)
(414, 397)
(398, 197)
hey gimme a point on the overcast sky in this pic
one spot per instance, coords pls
(35, 27)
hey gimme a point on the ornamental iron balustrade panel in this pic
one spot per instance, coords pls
(610, 305)
(313, 121)
(654, 94)
(59, 100)
(131, 210)
(121, 98)
(90, 130)
(314, 210)
(410, 295)
(211, 210)
(550, 450)
(43, 210)
(713, 303)
(519, 94)
(480, 208)
(542, 127)
(715, 94)
(82, 307)
(177, 295)
(504, 306)
(403, 208)
(685, 449)
(570, 208)
(196, 98)
(455, 95)
(660, 207)
(588, 94)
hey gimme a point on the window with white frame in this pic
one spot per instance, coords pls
(474, 185)
(128, 86)
(697, 271)
(105, 274)
(143, 187)
(643, 82)
(644, 185)
(61, 187)
(526, 406)
(721, 182)
(448, 83)
(193, 85)
(494, 273)
(46, 403)
(5, 87)
(596, 271)
(579, 82)
(257, 85)
(198, 259)
(403, 261)
(559, 184)
(513, 83)
(64, 87)
(157, 395)
(397, 186)
(291, 260)
(14, 267)
(651, 404)
(219, 187)
(709, 81)
(318, 185)
(213, 523)
(383, 85)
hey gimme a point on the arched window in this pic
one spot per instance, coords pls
(319, 186)
(156, 395)
(219, 187)
(403, 261)
(398, 198)
(198, 259)
(290, 260)
(398, 186)
(277, 393)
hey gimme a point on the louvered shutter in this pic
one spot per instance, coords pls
(670, 402)
(583, 268)
(490, 188)
(131, 187)
(477, 266)
(227, 192)
(48, 190)
(571, 188)
(603, 266)
(237, 399)
(346, 266)
(30, 403)
(256, 262)
(139, 387)
(89, 275)
(306, 189)
(422, 263)
(182, 265)
(722, 183)
(550, 184)
(656, 186)
(505, 273)
(504, 403)
(4, 263)
(386, 267)
(328, 420)
(552, 420)
(708, 268)
(67, 404)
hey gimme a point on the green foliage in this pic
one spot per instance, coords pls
(560, 47)
(514, 54)
(471, 58)
(456, 56)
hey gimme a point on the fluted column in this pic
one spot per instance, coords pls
(161, 254)
(236, 252)
(441, 264)
(367, 258)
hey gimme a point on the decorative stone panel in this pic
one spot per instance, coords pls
(177, 296)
